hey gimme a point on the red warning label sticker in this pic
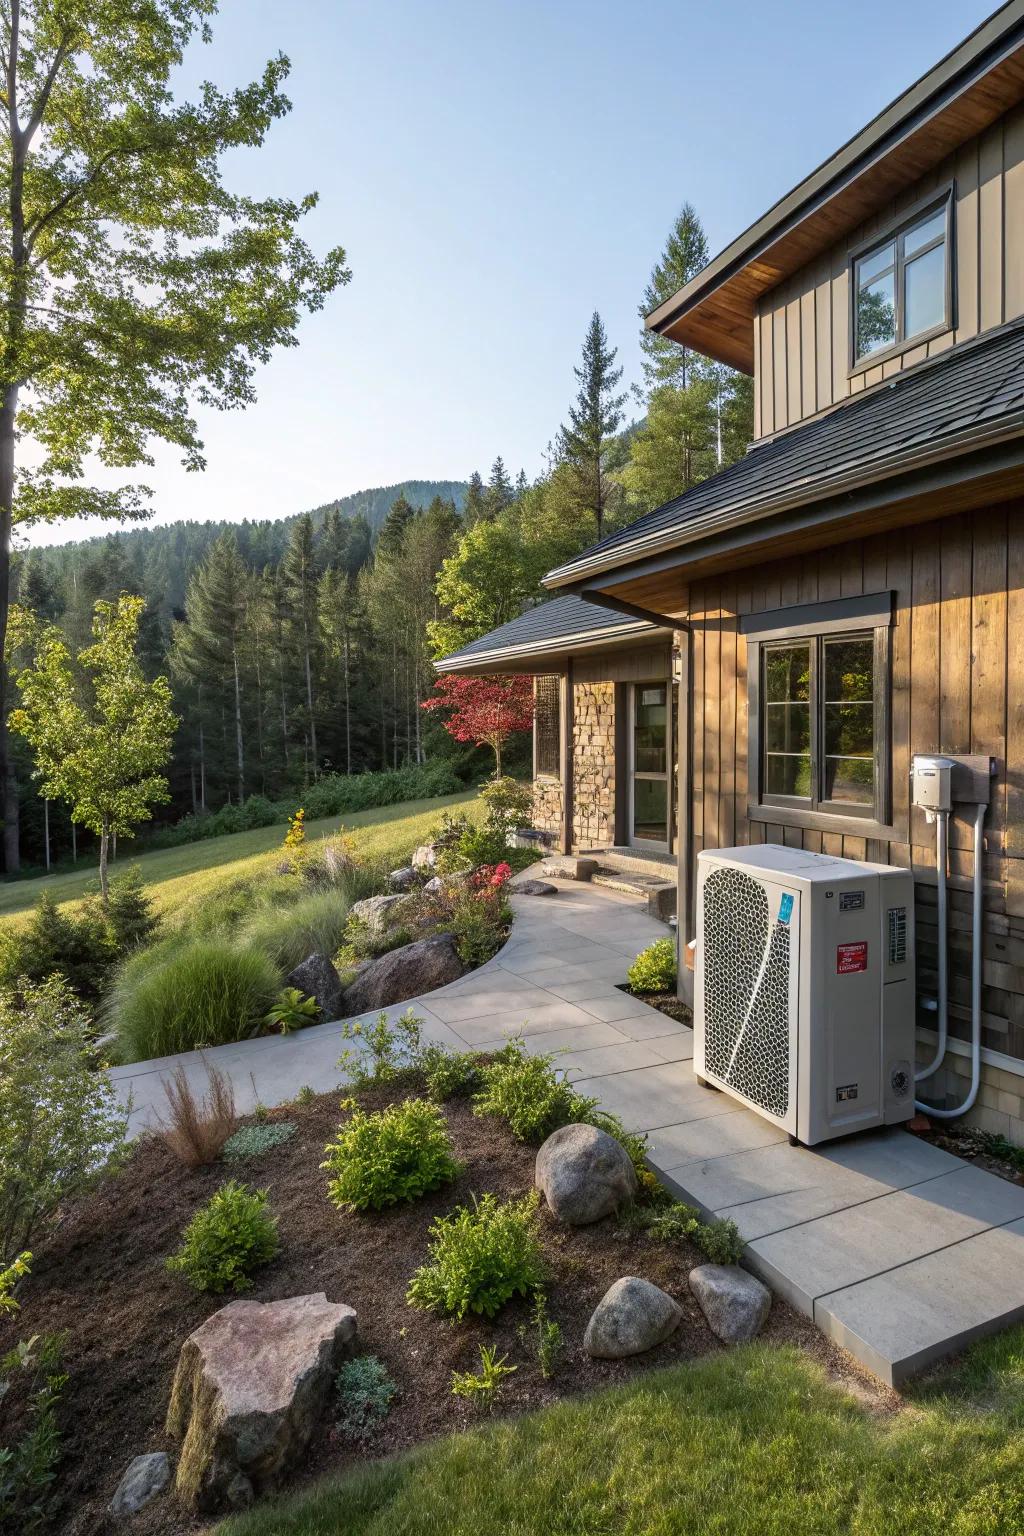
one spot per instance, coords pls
(850, 958)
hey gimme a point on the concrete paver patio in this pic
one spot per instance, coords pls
(899, 1251)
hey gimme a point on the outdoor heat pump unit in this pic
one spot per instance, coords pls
(804, 988)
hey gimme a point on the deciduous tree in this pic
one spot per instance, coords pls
(484, 710)
(131, 279)
(101, 733)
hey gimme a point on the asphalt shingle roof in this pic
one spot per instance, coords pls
(974, 385)
(561, 618)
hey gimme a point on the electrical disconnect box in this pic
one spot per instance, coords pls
(804, 988)
(931, 783)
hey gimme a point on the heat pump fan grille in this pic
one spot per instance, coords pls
(746, 991)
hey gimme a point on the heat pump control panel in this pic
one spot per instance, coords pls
(804, 988)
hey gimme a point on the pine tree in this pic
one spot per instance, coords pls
(392, 532)
(475, 505)
(499, 493)
(594, 417)
(685, 254)
(209, 644)
(299, 577)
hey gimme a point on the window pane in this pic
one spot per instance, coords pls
(787, 673)
(547, 726)
(875, 262)
(650, 728)
(922, 234)
(785, 775)
(876, 315)
(924, 299)
(849, 670)
(850, 729)
(787, 727)
(851, 780)
(650, 810)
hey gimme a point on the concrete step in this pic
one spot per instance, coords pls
(659, 893)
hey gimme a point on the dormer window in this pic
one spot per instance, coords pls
(902, 290)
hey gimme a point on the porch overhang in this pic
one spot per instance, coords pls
(544, 639)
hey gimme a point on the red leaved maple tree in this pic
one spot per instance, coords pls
(484, 710)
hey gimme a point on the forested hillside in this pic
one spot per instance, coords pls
(304, 646)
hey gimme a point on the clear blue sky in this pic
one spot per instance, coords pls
(497, 169)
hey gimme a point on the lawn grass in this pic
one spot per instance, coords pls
(175, 876)
(753, 1442)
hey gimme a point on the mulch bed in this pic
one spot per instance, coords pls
(665, 1002)
(977, 1148)
(101, 1277)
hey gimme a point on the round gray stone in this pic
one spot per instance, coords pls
(535, 888)
(734, 1302)
(631, 1317)
(584, 1174)
(145, 1478)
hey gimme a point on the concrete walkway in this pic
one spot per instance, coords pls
(900, 1252)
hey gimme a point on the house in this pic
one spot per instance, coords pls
(760, 659)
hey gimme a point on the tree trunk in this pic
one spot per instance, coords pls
(46, 831)
(8, 783)
(348, 714)
(104, 851)
(238, 728)
(309, 696)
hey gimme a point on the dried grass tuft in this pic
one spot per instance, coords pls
(196, 1128)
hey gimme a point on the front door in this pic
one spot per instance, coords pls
(650, 765)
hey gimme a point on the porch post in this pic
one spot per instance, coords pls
(568, 798)
(685, 915)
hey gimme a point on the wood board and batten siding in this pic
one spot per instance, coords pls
(802, 327)
(957, 686)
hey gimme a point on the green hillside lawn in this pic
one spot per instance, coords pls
(176, 875)
(752, 1442)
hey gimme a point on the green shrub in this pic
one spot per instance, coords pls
(450, 1074)
(548, 1339)
(60, 1121)
(399, 1153)
(227, 1240)
(508, 803)
(57, 941)
(719, 1241)
(383, 1051)
(365, 1393)
(191, 993)
(482, 1387)
(654, 969)
(478, 921)
(253, 1140)
(526, 1093)
(312, 925)
(480, 1257)
(28, 1464)
(130, 913)
(292, 1011)
(9, 1277)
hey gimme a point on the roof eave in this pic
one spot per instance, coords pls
(608, 637)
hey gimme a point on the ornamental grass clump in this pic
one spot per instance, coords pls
(397, 1154)
(190, 993)
(480, 1257)
(226, 1241)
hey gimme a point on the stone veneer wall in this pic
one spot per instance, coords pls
(594, 764)
(547, 806)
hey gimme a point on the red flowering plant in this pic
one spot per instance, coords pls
(484, 710)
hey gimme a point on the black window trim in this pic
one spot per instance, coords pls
(944, 197)
(869, 615)
(546, 776)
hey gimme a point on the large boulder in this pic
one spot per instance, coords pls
(404, 973)
(734, 1302)
(631, 1317)
(378, 912)
(404, 879)
(584, 1174)
(145, 1478)
(317, 978)
(250, 1386)
(424, 858)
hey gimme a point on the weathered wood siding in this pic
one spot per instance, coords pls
(801, 331)
(958, 686)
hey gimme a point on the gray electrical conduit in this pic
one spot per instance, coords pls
(977, 913)
(941, 864)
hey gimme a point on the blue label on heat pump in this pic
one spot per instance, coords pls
(785, 908)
